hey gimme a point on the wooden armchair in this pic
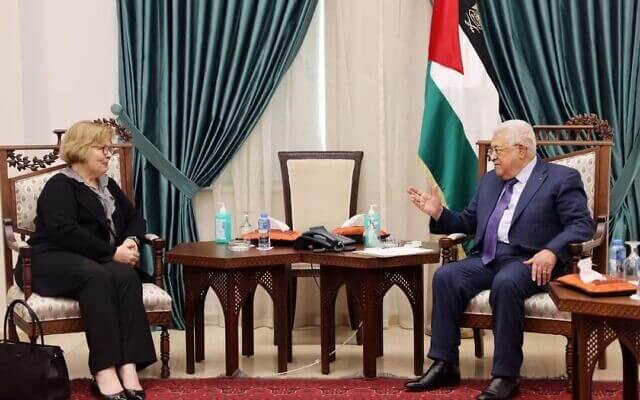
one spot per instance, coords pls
(593, 162)
(20, 193)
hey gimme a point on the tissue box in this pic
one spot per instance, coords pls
(604, 287)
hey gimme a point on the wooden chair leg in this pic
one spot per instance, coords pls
(12, 331)
(293, 292)
(602, 360)
(164, 352)
(478, 342)
(568, 359)
(33, 339)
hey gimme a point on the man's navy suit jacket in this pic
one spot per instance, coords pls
(551, 212)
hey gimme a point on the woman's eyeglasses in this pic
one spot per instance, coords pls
(107, 150)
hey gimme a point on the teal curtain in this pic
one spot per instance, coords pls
(555, 59)
(195, 76)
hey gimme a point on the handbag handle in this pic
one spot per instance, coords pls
(34, 317)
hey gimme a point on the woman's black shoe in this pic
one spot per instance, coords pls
(96, 390)
(135, 394)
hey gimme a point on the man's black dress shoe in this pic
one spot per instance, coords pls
(441, 373)
(117, 396)
(500, 388)
(135, 394)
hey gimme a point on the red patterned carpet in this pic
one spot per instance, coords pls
(342, 389)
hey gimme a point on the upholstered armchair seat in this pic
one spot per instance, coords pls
(538, 306)
(155, 299)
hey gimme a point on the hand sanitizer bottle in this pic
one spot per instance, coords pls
(372, 228)
(223, 225)
(372, 216)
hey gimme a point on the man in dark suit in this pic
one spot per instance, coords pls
(524, 214)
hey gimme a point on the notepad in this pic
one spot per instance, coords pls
(394, 251)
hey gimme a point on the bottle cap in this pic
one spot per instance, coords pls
(222, 208)
(617, 242)
(371, 210)
(264, 215)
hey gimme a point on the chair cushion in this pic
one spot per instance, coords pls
(537, 306)
(585, 164)
(57, 308)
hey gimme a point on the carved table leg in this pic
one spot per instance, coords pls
(370, 315)
(280, 301)
(328, 292)
(199, 326)
(629, 373)
(191, 297)
(247, 325)
(582, 370)
(231, 323)
(380, 325)
(418, 320)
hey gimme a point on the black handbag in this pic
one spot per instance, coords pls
(31, 371)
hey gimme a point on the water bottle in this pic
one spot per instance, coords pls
(617, 255)
(264, 226)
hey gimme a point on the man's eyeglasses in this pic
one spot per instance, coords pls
(107, 150)
(498, 150)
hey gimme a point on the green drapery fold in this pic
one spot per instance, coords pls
(556, 59)
(195, 76)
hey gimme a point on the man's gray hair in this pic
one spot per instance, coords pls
(518, 132)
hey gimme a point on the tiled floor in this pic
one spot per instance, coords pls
(543, 355)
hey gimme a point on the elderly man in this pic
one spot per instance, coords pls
(524, 214)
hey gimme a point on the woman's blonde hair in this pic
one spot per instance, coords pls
(77, 140)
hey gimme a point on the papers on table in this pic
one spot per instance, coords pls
(394, 251)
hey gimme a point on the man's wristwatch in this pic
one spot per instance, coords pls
(135, 239)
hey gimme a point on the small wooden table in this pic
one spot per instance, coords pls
(233, 276)
(596, 322)
(369, 278)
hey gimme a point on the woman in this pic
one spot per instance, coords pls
(85, 246)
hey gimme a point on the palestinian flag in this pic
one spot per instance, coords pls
(461, 100)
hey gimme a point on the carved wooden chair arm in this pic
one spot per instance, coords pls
(448, 250)
(21, 247)
(585, 249)
(158, 246)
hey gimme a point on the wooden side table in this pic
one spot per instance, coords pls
(598, 321)
(369, 278)
(233, 276)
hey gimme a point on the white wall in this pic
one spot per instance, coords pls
(62, 65)
(11, 100)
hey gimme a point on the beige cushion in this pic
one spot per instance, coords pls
(57, 308)
(585, 164)
(537, 306)
(320, 192)
(28, 190)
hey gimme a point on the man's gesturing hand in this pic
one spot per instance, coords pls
(427, 202)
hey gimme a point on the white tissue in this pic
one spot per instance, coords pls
(277, 224)
(356, 220)
(587, 274)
